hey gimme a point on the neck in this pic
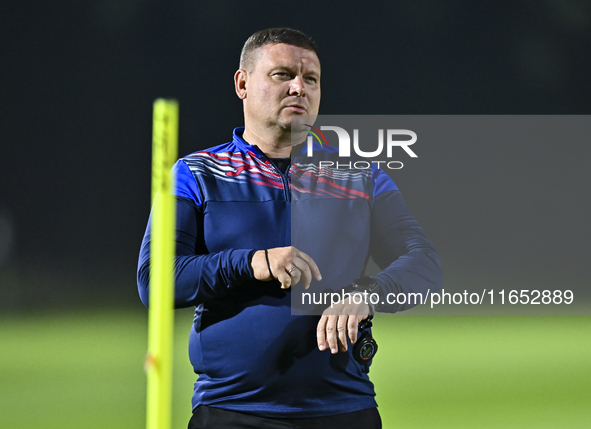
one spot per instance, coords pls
(274, 145)
(274, 141)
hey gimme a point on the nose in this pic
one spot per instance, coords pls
(297, 86)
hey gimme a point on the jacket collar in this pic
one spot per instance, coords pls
(239, 141)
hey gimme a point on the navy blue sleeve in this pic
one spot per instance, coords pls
(199, 275)
(408, 261)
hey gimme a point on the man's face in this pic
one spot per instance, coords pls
(283, 84)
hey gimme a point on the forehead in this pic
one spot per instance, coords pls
(282, 55)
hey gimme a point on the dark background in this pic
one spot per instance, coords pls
(79, 79)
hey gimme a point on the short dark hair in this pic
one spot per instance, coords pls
(289, 36)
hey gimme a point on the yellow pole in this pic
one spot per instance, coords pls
(162, 248)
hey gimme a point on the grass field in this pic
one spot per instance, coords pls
(74, 370)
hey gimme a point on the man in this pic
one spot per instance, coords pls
(258, 365)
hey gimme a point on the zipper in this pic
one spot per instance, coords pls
(284, 178)
(285, 183)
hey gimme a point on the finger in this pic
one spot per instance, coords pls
(331, 334)
(342, 332)
(310, 262)
(284, 279)
(353, 325)
(304, 271)
(321, 333)
(295, 273)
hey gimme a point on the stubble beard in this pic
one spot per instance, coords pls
(294, 129)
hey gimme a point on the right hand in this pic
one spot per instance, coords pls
(282, 260)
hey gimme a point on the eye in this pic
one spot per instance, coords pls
(311, 79)
(283, 75)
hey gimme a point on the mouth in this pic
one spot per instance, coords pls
(296, 108)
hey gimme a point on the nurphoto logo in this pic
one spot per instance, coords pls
(344, 146)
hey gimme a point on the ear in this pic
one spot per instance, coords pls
(240, 78)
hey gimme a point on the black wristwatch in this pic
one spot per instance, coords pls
(365, 347)
(362, 285)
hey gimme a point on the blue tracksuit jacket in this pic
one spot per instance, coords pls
(252, 355)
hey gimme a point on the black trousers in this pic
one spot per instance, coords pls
(216, 418)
